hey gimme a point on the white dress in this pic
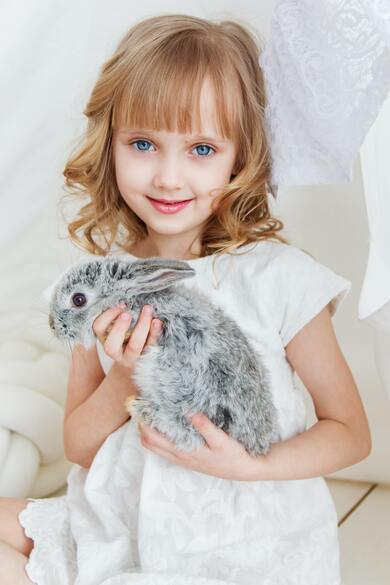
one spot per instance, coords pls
(135, 512)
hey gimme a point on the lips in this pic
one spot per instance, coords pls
(170, 207)
(167, 202)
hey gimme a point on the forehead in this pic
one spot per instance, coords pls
(207, 130)
(207, 109)
(187, 112)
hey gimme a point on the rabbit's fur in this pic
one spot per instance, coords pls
(202, 361)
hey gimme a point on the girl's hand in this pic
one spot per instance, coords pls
(145, 332)
(222, 456)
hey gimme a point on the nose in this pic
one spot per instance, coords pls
(51, 322)
(168, 177)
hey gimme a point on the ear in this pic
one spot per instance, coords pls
(47, 292)
(149, 274)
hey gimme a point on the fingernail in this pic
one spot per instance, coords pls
(125, 316)
(157, 325)
(122, 305)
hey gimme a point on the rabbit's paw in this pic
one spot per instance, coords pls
(129, 404)
(140, 408)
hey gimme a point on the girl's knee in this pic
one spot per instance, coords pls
(11, 531)
(12, 566)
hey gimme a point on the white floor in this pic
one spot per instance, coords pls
(363, 511)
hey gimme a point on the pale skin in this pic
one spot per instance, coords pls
(15, 547)
(175, 169)
(340, 438)
(168, 167)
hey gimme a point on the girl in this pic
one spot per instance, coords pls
(176, 164)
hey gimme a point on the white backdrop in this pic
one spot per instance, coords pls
(50, 54)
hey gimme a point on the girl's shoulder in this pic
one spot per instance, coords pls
(274, 256)
(291, 268)
(295, 286)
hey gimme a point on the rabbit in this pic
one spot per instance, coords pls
(202, 361)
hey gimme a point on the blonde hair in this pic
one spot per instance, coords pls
(154, 80)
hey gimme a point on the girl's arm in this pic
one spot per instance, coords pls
(341, 437)
(96, 402)
(95, 405)
(85, 375)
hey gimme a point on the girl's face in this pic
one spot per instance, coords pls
(174, 167)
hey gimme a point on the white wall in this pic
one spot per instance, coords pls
(50, 53)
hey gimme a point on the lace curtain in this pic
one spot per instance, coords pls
(327, 72)
(327, 69)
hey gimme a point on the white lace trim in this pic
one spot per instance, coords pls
(46, 564)
(162, 579)
(53, 557)
(327, 73)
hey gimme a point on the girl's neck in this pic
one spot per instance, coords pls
(143, 249)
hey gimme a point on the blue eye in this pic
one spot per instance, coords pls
(205, 146)
(142, 142)
(146, 143)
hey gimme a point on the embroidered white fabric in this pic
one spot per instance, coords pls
(135, 512)
(327, 71)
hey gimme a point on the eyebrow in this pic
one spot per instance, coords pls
(150, 133)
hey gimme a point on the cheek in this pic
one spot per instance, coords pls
(130, 179)
(130, 175)
(216, 177)
(212, 190)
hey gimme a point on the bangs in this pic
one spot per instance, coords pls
(160, 78)
(163, 90)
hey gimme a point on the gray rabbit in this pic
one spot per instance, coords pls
(202, 361)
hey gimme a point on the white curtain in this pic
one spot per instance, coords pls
(328, 74)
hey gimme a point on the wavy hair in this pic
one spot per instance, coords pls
(153, 80)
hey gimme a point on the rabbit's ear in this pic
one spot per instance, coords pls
(47, 292)
(150, 274)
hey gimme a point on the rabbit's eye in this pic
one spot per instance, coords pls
(79, 299)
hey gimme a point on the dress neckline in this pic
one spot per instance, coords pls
(202, 259)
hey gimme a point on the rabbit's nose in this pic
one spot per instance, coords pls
(51, 322)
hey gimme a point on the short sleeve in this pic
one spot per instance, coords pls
(305, 287)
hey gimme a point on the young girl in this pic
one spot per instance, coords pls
(177, 116)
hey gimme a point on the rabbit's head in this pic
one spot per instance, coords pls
(88, 289)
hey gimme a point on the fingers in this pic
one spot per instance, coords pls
(101, 324)
(154, 332)
(113, 345)
(143, 334)
(112, 329)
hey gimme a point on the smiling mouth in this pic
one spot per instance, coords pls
(166, 202)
